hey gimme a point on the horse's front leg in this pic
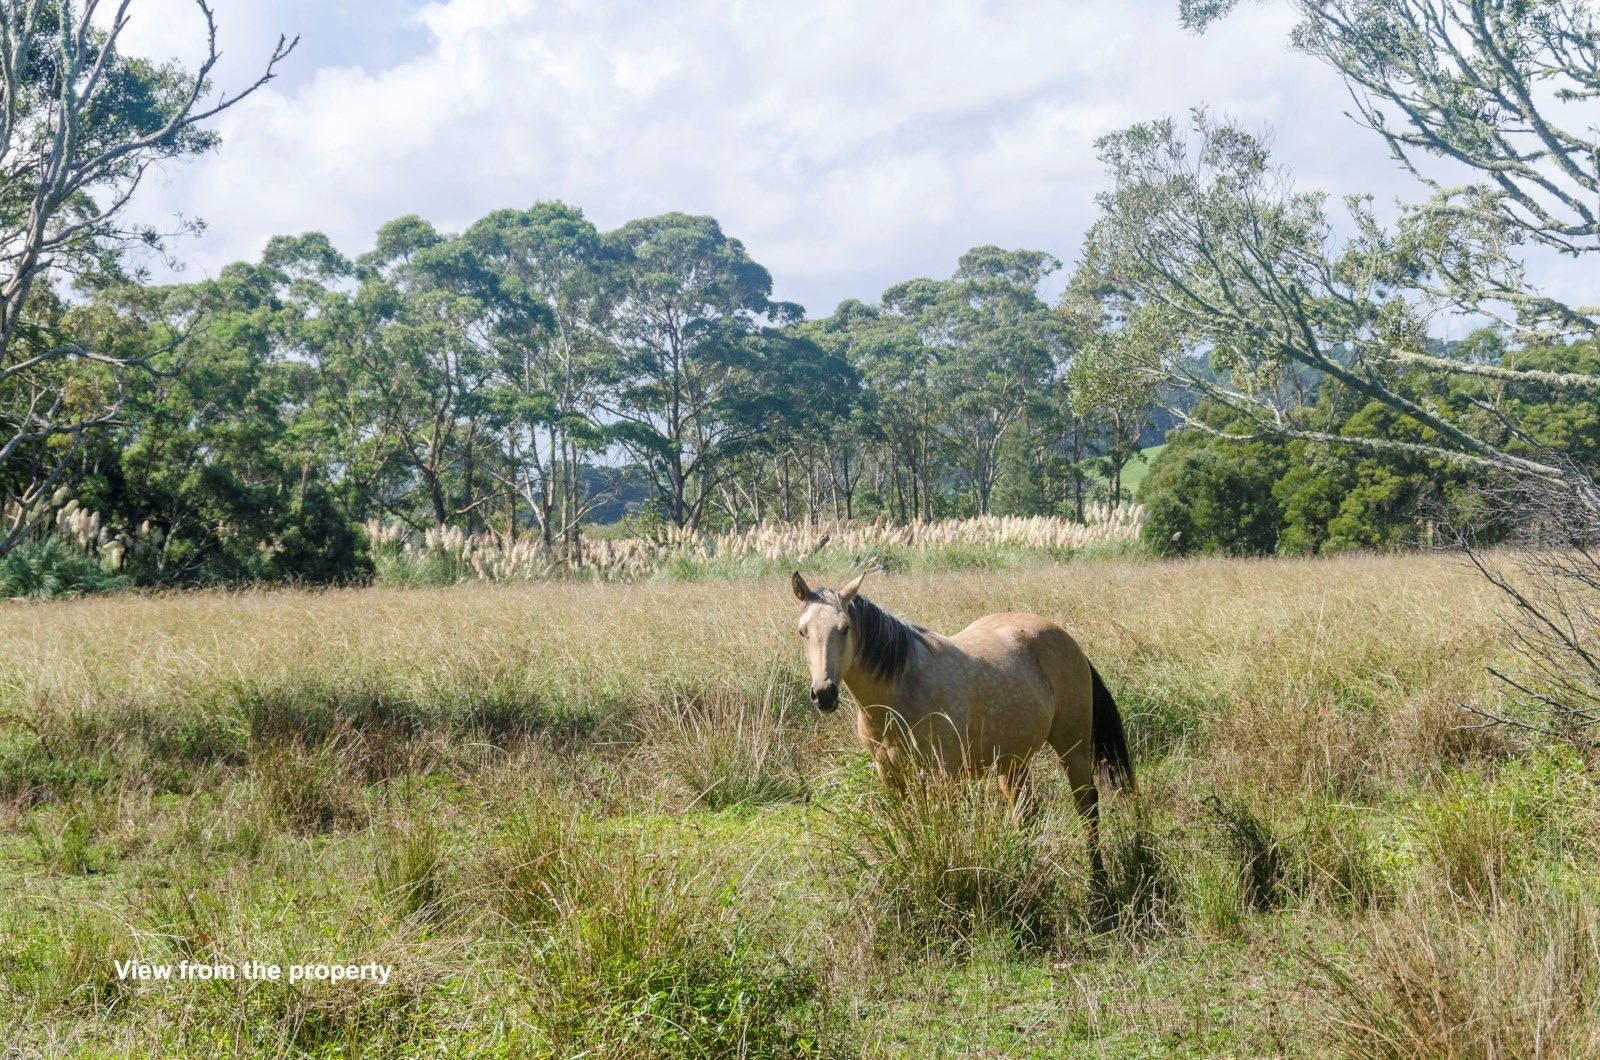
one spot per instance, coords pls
(884, 735)
(891, 775)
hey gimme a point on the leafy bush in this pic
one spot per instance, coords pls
(1206, 493)
(1200, 497)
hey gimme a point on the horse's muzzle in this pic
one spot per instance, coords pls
(826, 698)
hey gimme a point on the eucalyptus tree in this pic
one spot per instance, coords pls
(1011, 346)
(1204, 249)
(991, 344)
(690, 392)
(442, 308)
(548, 264)
(1489, 105)
(81, 124)
(207, 475)
(396, 343)
(900, 403)
(848, 428)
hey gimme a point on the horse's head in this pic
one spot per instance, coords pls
(825, 628)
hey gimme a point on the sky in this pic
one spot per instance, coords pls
(848, 145)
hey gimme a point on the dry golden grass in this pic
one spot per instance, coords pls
(1336, 674)
(1283, 634)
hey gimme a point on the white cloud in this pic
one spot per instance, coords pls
(849, 145)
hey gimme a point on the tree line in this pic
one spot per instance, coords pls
(531, 371)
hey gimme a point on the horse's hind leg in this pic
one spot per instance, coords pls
(1079, 761)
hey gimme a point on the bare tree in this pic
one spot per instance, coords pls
(1553, 624)
(81, 124)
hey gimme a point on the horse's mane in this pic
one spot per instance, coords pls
(885, 643)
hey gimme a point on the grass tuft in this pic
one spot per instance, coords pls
(727, 751)
(946, 866)
(1437, 981)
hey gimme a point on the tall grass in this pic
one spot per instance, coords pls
(632, 953)
(535, 799)
(647, 958)
(1437, 981)
(946, 866)
(729, 751)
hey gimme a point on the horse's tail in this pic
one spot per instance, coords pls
(1110, 742)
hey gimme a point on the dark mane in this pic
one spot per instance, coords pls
(884, 642)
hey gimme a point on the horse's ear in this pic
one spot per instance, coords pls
(848, 593)
(802, 591)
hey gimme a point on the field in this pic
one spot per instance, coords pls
(583, 816)
(1134, 474)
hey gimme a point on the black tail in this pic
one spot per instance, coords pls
(1110, 743)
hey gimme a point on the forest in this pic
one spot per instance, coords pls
(533, 376)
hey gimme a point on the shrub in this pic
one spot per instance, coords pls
(1200, 497)
(48, 567)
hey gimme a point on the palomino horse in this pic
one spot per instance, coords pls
(987, 698)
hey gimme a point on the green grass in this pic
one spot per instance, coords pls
(1134, 474)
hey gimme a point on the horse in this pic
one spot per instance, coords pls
(984, 700)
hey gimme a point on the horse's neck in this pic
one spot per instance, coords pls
(874, 690)
(871, 690)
